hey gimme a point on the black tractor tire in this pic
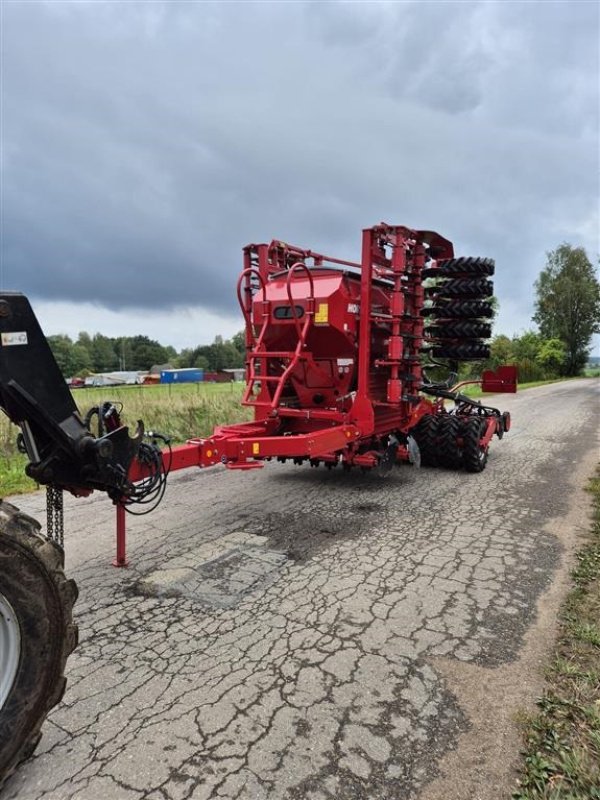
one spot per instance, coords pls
(461, 288)
(462, 351)
(37, 633)
(474, 456)
(448, 448)
(461, 329)
(425, 435)
(464, 265)
(459, 309)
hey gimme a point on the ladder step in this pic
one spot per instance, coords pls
(272, 354)
(266, 378)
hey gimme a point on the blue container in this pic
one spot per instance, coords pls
(188, 375)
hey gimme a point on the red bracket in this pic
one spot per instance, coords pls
(504, 379)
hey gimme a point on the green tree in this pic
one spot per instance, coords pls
(170, 353)
(80, 361)
(568, 303)
(551, 355)
(185, 358)
(200, 362)
(85, 340)
(200, 357)
(239, 342)
(61, 346)
(104, 354)
(221, 354)
(525, 352)
(224, 354)
(81, 354)
(526, 346)
(501, 350)
(73, 358)
(145, 352)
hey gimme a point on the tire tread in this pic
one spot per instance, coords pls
(22, 541)
(471, 433)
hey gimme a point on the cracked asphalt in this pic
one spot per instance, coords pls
(302, 633)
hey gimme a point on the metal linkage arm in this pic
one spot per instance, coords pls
(62, 450)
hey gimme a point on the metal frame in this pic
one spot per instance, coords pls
(392, 259)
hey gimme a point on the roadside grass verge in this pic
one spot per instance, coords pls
(179, 411)
(12, 475)
(562, 740)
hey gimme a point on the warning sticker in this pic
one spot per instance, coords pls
(15, 337)
(322, 315)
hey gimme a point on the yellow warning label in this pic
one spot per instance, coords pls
(322, 315)
(255, 448)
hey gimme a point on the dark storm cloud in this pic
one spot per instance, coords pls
(145, 144)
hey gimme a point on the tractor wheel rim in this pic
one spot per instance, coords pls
(10, 648)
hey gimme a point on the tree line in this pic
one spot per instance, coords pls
(567, 314)
(98, 353)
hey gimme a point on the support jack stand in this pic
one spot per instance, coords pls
(121, 557)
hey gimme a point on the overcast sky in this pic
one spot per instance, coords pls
(143, 144)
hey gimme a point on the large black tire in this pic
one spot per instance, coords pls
(37, 633)
(474, 456)
(459, 309)
(462, 288)
(425, 435)
(464, 265)
(449, 451)
(460, 329)
(466, 351)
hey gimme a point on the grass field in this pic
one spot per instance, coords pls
(562, 741)
(179, 411)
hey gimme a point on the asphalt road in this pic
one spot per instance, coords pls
(298, 633)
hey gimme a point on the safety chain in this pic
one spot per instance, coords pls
(54, 515)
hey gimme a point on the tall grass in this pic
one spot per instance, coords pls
(179, 411)
(562, 740)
